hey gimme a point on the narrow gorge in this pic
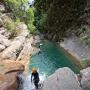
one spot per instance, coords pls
(51, 36)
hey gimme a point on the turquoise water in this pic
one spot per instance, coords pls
(51, 58)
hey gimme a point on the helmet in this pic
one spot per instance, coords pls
(34, 70)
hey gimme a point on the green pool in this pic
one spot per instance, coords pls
(51, 58)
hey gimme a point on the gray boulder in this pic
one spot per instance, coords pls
(2, 8)
(85, 81)
(62, 79)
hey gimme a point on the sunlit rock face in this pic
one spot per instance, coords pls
(62, 79)
(85, 81)
(9, 71)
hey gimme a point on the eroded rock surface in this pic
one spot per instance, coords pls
(62, 79)
(80, 51)
(85, 81)
(9, 71)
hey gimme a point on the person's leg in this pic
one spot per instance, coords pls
(36, 85)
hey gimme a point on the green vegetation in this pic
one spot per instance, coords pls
(54, 18)
(85, 63)
(22, 11)
(85, 38)
(62, 15)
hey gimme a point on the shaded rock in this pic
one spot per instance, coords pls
(85, 81)
(62, 79)
(8, 74)
(2, 47)
(5, 32)
(1, 22)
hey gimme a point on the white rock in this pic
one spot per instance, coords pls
(62, 79)
(22, 26)
(23, 29)
(11, 51)
(2, 47)
(26, 51)
(2, 8)
(85, 81)
(2, 37)
(5, 42)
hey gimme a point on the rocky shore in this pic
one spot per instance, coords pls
(66, 79)
(78, 50)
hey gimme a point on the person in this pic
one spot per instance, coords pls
(35, 76)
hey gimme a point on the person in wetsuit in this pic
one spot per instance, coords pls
(35, 74)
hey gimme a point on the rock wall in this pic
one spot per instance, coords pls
(14, 52)
(9, 70)
(85, 81)
(78, 50)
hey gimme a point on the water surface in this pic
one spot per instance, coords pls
(51, 58)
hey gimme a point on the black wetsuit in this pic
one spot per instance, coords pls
(36, 79)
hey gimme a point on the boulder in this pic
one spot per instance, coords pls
(26, 51)
(62, 79)
(1, 22)
(5, 42)
(2, 8)
(5, 32)
(85, 81)
(2, 30)
(2, 36)
(8, 74)
(2, 47)
(13, 49)
(23, 29)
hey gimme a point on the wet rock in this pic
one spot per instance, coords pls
(62, 79)
(8, 74)
(85, 81)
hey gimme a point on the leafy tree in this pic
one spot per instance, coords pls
(21, 10)
(61, 15)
